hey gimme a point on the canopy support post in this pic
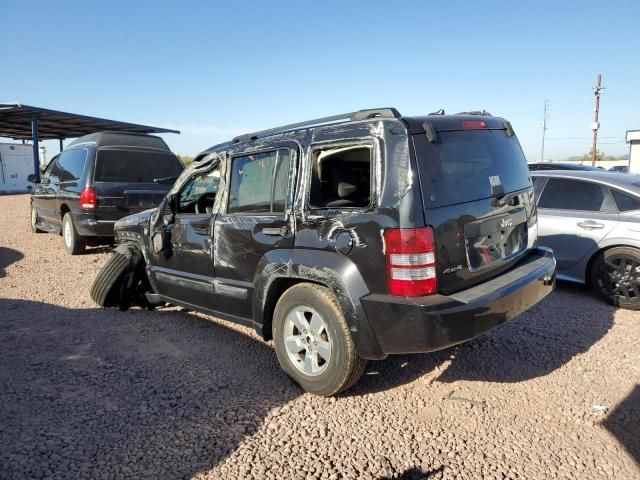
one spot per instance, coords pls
(61, 147)
(36, 149)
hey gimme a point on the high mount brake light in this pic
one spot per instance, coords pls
(411, 261)
(88, 200)
(474, 125)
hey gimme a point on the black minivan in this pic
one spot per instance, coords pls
(97, 180)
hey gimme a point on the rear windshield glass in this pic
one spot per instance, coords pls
(133, 166)
(460, 166)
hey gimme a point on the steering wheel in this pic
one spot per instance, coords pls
(203, 201)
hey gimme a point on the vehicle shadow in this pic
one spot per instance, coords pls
(414, 473)
(99, 393)
(7, 257)
(624, 423)
(532, 345)
(97, 245)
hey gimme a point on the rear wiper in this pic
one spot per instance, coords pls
(165, 179)
(503, 200)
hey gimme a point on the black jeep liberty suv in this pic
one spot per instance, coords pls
(344, 239)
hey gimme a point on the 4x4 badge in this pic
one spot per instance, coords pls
(452, 269)
(506, 222)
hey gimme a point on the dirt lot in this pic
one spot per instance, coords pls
(89, 393)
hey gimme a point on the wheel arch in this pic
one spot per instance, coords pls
(64, 208)
(279, 270)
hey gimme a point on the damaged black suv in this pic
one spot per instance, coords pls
(344, 239)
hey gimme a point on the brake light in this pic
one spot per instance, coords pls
(411, 261)
(88, 200)
(474, 125)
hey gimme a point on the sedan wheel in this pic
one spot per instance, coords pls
(616, 276)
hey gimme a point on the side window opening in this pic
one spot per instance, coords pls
(341, 178)
(199, 194)
(259, 182)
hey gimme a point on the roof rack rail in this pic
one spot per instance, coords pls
(476, 112)
(346, 117)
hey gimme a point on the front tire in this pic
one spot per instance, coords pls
(74, 243)
(313, 342)
(122, 281)
(615, 275)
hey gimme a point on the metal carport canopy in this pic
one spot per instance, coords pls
(24, 122)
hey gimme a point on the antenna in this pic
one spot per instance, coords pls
(545, 117)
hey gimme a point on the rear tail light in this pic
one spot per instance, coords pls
(88, 200)
(411, 261)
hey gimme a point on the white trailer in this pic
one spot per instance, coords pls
(16, 163)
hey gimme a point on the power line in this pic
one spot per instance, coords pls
(579, 138)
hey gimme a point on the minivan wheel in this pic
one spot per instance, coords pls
(313, 342)
(615, 275)
(34, 221)
(73, 242)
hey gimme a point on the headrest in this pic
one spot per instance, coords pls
(346, 189)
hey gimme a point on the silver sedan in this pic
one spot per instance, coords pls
(591, 220)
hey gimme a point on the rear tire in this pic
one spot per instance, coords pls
(313, 342)
(615, 275)
(74, 243)
(34, 221)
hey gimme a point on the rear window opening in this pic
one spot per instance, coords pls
(341, 178)
(463, 166)
(136, 166)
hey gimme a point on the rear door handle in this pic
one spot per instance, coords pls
(590, 225)
(276, 231)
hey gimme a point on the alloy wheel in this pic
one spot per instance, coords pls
(619, 276)
(307, 340)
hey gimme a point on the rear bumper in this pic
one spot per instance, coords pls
(88, 225)
(424, 324)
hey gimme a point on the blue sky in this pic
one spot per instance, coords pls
(215, 69)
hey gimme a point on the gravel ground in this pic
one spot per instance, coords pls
(89, 393)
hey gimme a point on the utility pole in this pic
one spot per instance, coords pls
(597, 90)
(544, 127)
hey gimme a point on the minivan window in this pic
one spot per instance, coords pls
(71, 164)
(136, 166)
(460, 166)
(55, 171)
